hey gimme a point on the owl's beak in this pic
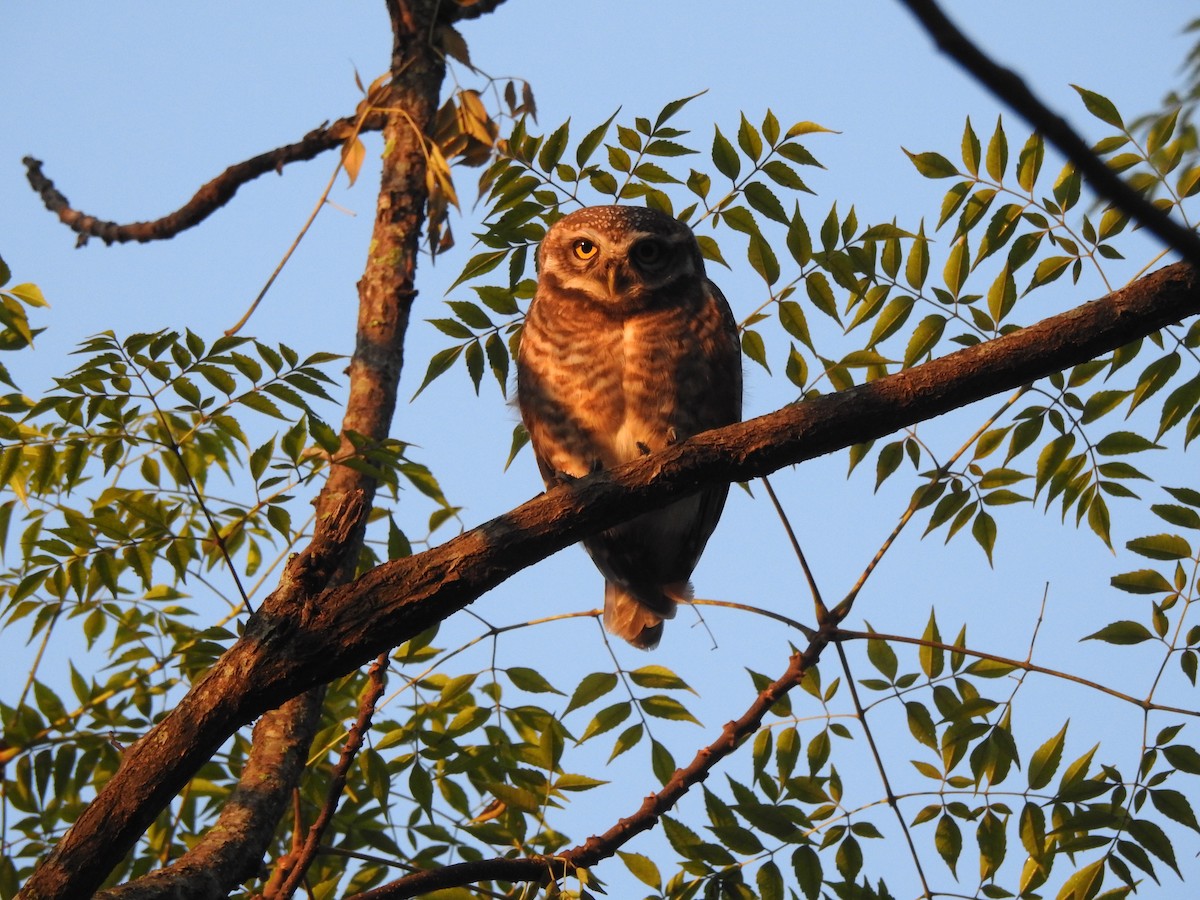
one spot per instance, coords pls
(617, 279)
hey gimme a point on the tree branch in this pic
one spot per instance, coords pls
(290, 646)
(208, 199)
(654, 806)
(462, 10)
(1012, 91)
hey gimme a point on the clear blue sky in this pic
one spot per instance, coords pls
(133, 105)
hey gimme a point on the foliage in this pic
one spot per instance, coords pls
(117, 509)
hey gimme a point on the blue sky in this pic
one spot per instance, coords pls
(132, 106)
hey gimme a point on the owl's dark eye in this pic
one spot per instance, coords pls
(584, 249)
(649, 254)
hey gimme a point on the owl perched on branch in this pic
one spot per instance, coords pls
(627, 349)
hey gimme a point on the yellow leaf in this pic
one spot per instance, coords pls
(353, 153)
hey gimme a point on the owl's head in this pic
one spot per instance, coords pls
(624, 257)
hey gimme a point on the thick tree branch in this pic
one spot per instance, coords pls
(209, 198)
(1012, 91)
(289, 647)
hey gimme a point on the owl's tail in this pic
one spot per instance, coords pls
(636, 613)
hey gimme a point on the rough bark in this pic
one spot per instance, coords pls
(303, 637)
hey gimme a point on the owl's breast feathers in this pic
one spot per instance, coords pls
(598, 389)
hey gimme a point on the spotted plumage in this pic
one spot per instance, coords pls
(627, 349)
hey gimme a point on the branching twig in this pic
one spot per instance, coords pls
(846, 635)
(208, 199)
(1011, 90)
(302, 859)
(598, 847)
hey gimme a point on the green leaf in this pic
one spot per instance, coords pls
(1122, 632)
(1174, 805)
(916, 269)
(724, 157)
(754, 348)
(659, 677)
(1100, 107)
(749, 139)
(608, 718)
(438, 364)
(1046, 759)
(530, 680)
(479, 264)
(1182, 516)
(1083, 884)
(970, 148)
(664, 707)
(1143, 581)
(1183, 758)
(948, 841)
(924, 338)
(920, 723)
(997, 152)
(1154, 839)
(552, 149)
(958, 265)
(983, 529)
(1161, 546)
(591, 141)
(932, 165)
(642, 868)
(590, 689)
(1121, 442)
(761, 198)
(770, 882)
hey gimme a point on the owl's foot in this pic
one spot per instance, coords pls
(558, 476)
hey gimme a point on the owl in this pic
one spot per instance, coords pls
(628, 348)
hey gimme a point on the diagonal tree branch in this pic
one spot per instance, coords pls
(303, 637)
(209, 198)
(653, 807)
(1012, 91)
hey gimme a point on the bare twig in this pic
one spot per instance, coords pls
(302, 859)
(208, 199)
(1013, 91)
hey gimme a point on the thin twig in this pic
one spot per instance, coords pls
(376, 682)
(892, 800)
(847, 635)
(822, 610)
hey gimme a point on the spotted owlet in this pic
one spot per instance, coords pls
(627, 349)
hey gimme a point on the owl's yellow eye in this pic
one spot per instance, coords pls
(584, 249)
(648, 253)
